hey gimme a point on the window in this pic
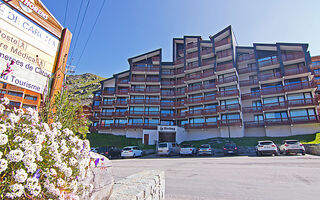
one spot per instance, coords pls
(108, 100)
(15, 94)
(305, 95)
(135, 121)
(196, 120)
(167, 123)
(167, 111)
(107, 110)
(136, 108)
(302, 112)
(211, 119)
(106, 121)
(276, 115)
(29, 106)
(96, 103)
(233, 87)
(109, 89)
(151, 121)
(256, 103)
(230, 116)
(229, 101)
(12, 103)
(32, 98)
(120, 121)
(152, 109)
(273, 99)
(255, 90)
(258, 117)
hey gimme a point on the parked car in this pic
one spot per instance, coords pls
(131, 151)
(110, 152)
(292, 146)
(168, 149)
(230, 148)
(94, 149)
(205, 149)
(188, 149)
(266, 148)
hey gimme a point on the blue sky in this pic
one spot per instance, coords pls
(127, 28)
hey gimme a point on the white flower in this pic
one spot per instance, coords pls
(16, 191)
(5, 101)
(37, 147)
(15, 155)
(46, 126)
(53, 172)
(1, 154)
(25, 144)
(18, 139)
(31, 168)
(3, 165)
(28, 159)
(20, 112)
(2, 108)
(20, 176)
(33, 186)
(3, 128)
(13, 118)
(72, 161)
(3, 139)
(40, 138)
(60, 182)
(68, 172)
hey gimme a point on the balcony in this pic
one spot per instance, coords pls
(105, 114)
(230, 122)
(104, 126)
(108, 92)
(252, 95)
(228, 93)
(180, 92)
(269, 76)
(272, 90)
(254, 124)
(167, 104)
(142, 125)
(226, 80)
(30, 102)
(152, 113)
(207, 62)
(167, 83)
(197, 100)
(253, 68)
(145, 68)
(120, 102)
(94, 118)
(298, 70)
(96, 108)
(179, 61)
(167, 115)
(136, 113)
(275, 106)
(223, 42)
(136, 101)
(207, 74)
(97, 98)
(305, 119)
(245, 57)
(194, 125)
(14, 88)
(209, 86)
(224, 54)
(192, 45)
(302, 102)
(277, 121)
(122, 92)
(152, 101)
(292, 56)
(123, 81)
(248, 82)
(229, 107)
(209, 98)
(192, 66)
(156, 59)
(192, 55)
(224, 67)
(268, 62)
(150, 125)
(179, 71)
(252, 109)
(119, 126)
(167, 73)
(209, 111)
(300, 86)
(207, 52)
(181, 103)
(120, 114)
(194, 88)
(138, 79)
(180, 115)
(152, 79)
(193, 77)
(152, 90)
(167, 93)
(194, 113)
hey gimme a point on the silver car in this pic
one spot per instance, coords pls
(292, 146)
(205, 149)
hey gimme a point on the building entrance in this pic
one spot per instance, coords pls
(167, 136)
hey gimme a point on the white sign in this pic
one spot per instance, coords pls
(167, 128)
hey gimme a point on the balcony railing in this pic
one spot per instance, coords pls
(97, 98)
(180, 92)
(269, 76)
(152, 90)
(152, 101)
(207, 51)
(252, 95)
(228, 93)
(122, 91)
(292, 56)
(121, 102)
(137, 90)
(167, 72)
(207, 74)
(192, 65)
(224, 67)
(230, 122)
(194, 100)
(210, 111)
(298, 70)
(223, 42)
(227, 80)
(180, 103)
(223, 54)
(192, 55)
(194, 113)
(168, 83)
(302, 102)
(272, 90)
(207, 62)
(250, 69)
(119, 126)
(248, 82)
(209, 98)
(253, 124)
(120, 114)
(180, 81)
(168, 93)
(179, 61)
(167, 115)
(155, 59)
(252, 109)
(167, 104)
(245, 57)
(229, 107)
(194, 88)
(105, 114)
(138, 79)
(179, 71)
(192, 45)
(180, 115)
(123, 81)
(268, 62)
(193, 77)
(136, 101)
(275, 106)
(152, 79)
(108, 92)
(277, 121)
(300, 86)
(146, 68)
(209, 86)
(305, 119)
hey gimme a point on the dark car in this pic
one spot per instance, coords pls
(110, 152)
(230, 148)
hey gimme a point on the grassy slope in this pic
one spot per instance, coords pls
(99, 140)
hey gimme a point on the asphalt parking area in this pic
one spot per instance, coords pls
(232, 177)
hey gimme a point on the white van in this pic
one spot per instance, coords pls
(168, 149)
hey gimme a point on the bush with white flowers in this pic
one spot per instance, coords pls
(40, 161)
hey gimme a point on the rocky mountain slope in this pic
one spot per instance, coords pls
(83, 85)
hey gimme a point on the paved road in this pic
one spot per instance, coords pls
(232, 178)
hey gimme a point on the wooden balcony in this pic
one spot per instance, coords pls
(193, 77)
(252, 95)
(254, 124)
(252, 109)
(209, 86)
(194, 88)
(269, 76)
(268, 62)
(229, 107)
(207, 51)
(180, 92)
(245, 57)
(123, 91)
(14, 88)
(180, 103)
(138, 79)
(292, 56)
(152, 79)
(295, 71)
(146, 68)
(179, 71)
(230, 122)
(277, 121)
(209, 98)
(210, 111)
(207, 62)
(119, 114)
(300, 86)
(275, 106)
(152, 113)
(226, 80)
(224, 67)
(167, 104)
(108, 92)
(142, 125)
(248, 82)
(223, 54)
(302, 102)
(168, 93)
(120, 102)
(167, 73)
(30, 102)
(192, 55)
(207, 74)
(105, 114)
(167, 116)
(168, 83)
(136, 101)
(119, 126)
(194, 100)
(223, 42)
(191, 113)
(180, 115)
(305, 119)
(192, 45)
(122, 81)
(227, 93)
(179, 61)
(138, 90)
(201, 125)
(272, 90)
(253, 68)
(152, 90)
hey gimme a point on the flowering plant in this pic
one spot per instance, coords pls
(40, 161)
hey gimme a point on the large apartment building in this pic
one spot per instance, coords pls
(212, 88)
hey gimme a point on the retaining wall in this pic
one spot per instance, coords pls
(146, 185)
(312, 149)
